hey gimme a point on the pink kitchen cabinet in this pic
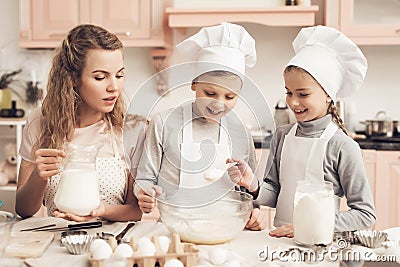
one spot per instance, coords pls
(271, 16)
(367, 22)
(387, 197)
(138, 23)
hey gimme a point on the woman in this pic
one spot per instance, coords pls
(83, 106)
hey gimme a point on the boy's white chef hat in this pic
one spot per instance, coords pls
(331, 58)
(226, 47)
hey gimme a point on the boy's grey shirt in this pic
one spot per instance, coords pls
(160, 161)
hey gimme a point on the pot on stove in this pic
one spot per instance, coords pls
(396, 128)
(380, 126)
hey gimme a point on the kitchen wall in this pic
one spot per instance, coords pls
(381, 90)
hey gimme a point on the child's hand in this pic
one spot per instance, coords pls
(48, 162)
(242, 175)
(283, 231)
(258, 220)
(146, 198)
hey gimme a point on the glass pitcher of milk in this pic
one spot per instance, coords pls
(314, 213)
(78, 190)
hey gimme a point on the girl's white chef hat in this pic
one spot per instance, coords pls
(225, 47)
(331, 58)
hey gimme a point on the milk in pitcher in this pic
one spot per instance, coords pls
(78, 190)
(77, 195)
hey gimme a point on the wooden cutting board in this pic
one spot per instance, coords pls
(28, 244)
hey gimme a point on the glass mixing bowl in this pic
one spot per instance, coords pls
(213, 223)
(6, 222)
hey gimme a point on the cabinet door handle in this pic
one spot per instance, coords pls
(57, 35)
(123, 33)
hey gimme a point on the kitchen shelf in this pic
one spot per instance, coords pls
(270, 16)
(18, 123)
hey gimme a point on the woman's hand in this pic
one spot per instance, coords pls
(258, 220)
(242, 175)
(98, 212)
(48, 162)
(283, 231)
(146, 198)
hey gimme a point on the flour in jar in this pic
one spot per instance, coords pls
(314, 217)
(78, 192)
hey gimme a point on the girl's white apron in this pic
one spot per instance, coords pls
(302, 159)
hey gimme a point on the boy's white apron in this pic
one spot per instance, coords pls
(197, 158)
(302, 159)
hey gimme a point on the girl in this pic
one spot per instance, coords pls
(327, 65)
(83, 105)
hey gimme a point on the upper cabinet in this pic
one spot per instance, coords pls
(367, 22)
(271, 16)
(140, 23)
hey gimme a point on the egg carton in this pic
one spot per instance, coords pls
(187, 253)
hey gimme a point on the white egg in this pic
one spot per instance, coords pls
(102, 251)
(164, 243)
(173, 263)
(97, 243)
(232, 263)
(146, 248)
(143, 239)
(123, 251)
(218, 256)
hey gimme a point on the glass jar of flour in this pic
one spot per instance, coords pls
(314, 213)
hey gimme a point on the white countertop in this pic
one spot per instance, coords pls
(245, 248)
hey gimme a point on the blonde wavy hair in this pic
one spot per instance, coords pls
(60, 113)
(332, 109)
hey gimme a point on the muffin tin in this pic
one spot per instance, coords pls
(371, 238)
(76, 242)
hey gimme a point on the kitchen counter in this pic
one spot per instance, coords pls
(249, 247)
(380, 143)
(262, 142)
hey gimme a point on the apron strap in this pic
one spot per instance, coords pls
(113, 142)
(223, 131)
(293, 130)
(314, 169)
(187, 133)
(329, 131)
